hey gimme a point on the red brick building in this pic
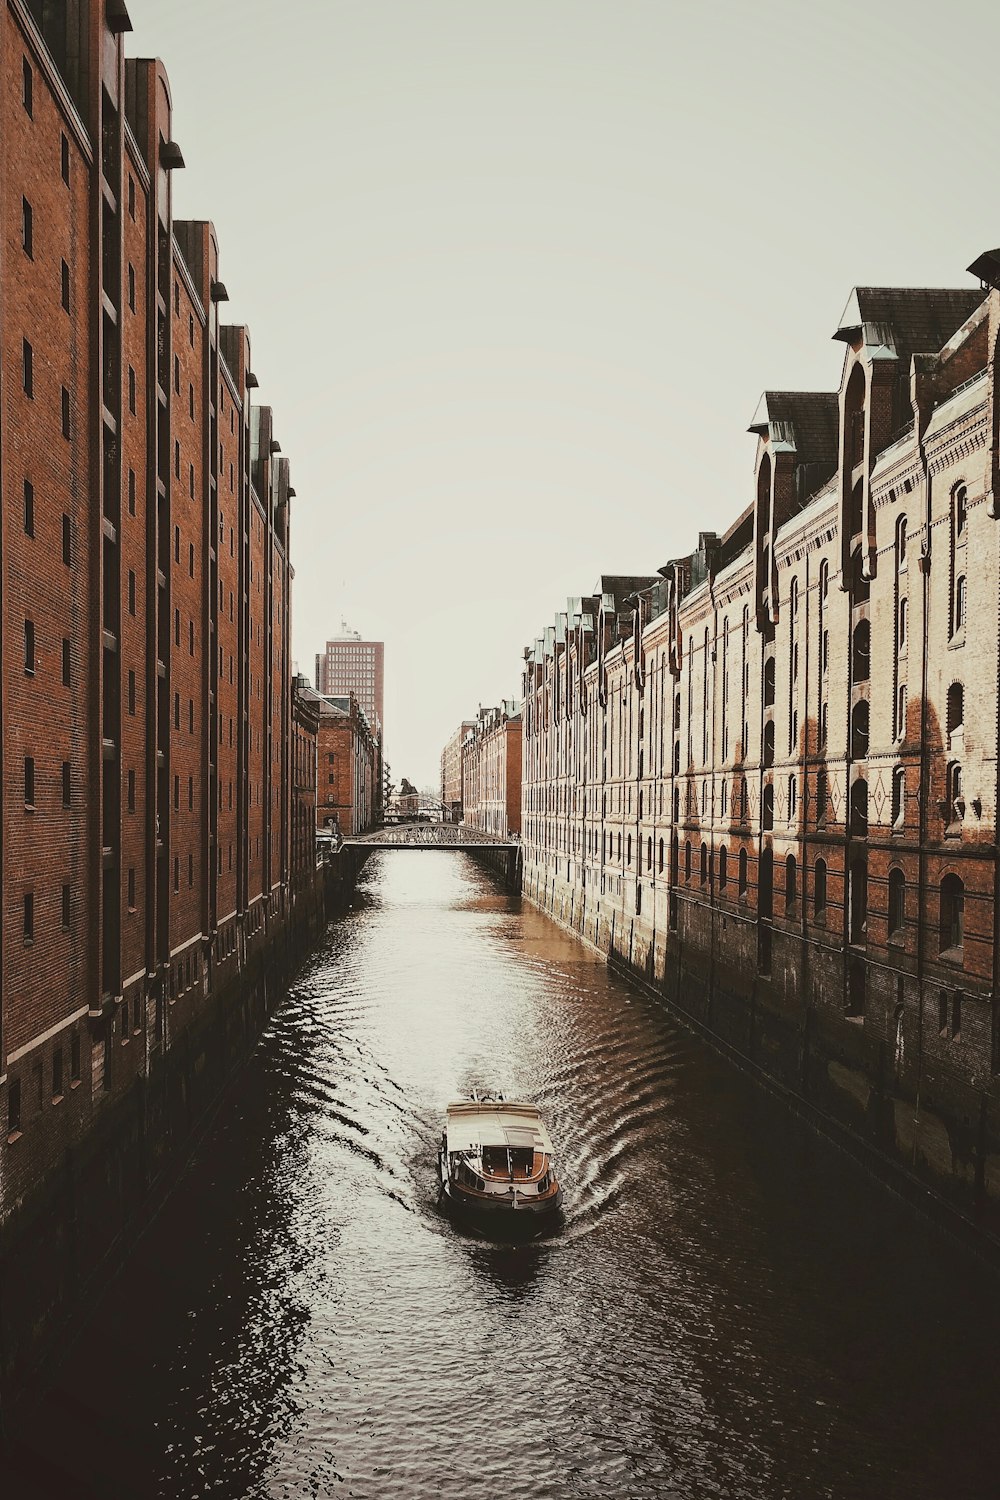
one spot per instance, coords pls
(766, 775)
(348, 766)
(346, 665)
(491, 771)
(305, 749)
(146, 699)
(451, 773)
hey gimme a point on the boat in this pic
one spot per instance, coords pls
(496, 1162)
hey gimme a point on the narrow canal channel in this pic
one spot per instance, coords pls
(731, 1309)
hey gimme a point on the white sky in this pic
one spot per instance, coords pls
(516, 272)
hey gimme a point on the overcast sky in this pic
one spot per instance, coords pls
(516, 272)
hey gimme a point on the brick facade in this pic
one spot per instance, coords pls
(491, 771)
(146, 703)
(765, 776)
(348, 766)
(451, 773)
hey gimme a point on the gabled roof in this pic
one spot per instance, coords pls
(896, 322)
(807, 421)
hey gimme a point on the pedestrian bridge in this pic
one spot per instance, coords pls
(429, 836)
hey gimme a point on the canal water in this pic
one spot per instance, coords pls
(729, 1309)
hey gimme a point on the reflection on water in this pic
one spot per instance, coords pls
(729, 1308)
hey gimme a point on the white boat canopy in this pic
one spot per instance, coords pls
(473, 1124)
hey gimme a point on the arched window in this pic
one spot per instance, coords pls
(956, 710)
(767, 809)
(821, 796)
(769, 743)
(819, 891)
(858, 891)
(661, 858)
(960, 511)
(857, 509)
(901, 544)
(724, 799)
(687, 860)
(952, 916)
(860, 586)
(765, 881)
(898, 797)
(901, 711)
(723, 868)
(903, 621)
(791, 885)
(792, 797)
(859, 730)
(897, 900)
(629, 847)
(859, 809)
(769, 682)
(743, 875)
(704, 864)
(960, 596)
(861, 652)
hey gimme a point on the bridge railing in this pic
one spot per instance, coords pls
(429, 835)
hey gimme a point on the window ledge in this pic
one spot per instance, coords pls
(15, 1135)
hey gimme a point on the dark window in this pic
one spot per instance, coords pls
(74, 1058)
(66, 662)
(819, 891)
(703, 872)
(67, 792)
(131, 286)
(65, 412)
(956, 708)
(14, 1106)
(64, 158)
(29, 781)
(858, 890)
(743, 884)
(791, 885)
(131, 492)
(723, 867)
(897, 900)
(65, 286)
(131, 592)
(65, 907)
(67, 541)
(131, 390)
(131, 196)
(961, 503)
(177, 873)
(29, 508)
(29, 648)
(131, 692)
(952, 930)
(57, 1073)
(27, 228)
(131, 888)
(27, 368)
(29, 917)
(27, 87)
(177, 375)
(131, 791)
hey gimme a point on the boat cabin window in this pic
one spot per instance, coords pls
(504, 1160)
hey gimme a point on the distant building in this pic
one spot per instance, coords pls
(348, 765)
(491, 771)
(347, 664)
(451, 773)
(305, 734)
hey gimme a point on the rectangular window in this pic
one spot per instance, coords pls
(29, 917)
(57, 1074)
(27, 87)
(65, 287)
(131, 791)
(177, 793)
(65, 907)
(131, 390)
(177, 459)
(29, 508)
(27, 229)
(29, 781)
(177, 874)
(74, 1058)
(65, 412)
(131, 196)
(190, 794)
(177, 544)
(191, 559)
(66, 787)
(64, 157)
(131, 592)
(29, 648)
(131, 889)
(14, 1107)
(131, 492)
(27, 368)
(67, 541)
(190, 870)
(177, 710)
(191, 480)
(131, 692)
(131, 286)
(65, 662)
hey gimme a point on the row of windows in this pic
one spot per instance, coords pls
(36, 1085)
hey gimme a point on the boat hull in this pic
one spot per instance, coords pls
(501, 1213)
